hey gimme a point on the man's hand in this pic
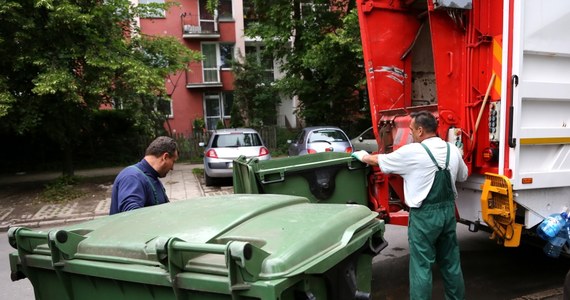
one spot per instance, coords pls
(359, 154)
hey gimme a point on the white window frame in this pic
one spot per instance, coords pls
(258, 57)
(222, 115)
(171, 115)
(219, 63)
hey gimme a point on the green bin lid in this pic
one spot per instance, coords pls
(294, 233)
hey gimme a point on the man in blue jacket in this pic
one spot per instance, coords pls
(138, 185)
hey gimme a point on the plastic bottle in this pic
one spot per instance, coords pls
(555, 244)
(550, 226)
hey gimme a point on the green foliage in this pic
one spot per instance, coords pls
(283, 135)
(211, 6)
(255, 95)
(199, 124)
(63, 189)
(198, 171)
(220, 124)
(183, 147)
(61, 60)
(323, 67)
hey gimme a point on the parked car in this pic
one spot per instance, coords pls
(319, 139)
(225, 145)
(365, 141)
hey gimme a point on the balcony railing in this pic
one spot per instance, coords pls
(195, 28)
(198, 76)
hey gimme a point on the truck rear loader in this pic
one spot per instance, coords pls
(497, 76)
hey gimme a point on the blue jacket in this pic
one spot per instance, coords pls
(137, 186)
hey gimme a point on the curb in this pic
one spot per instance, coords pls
(36, 223)
(48, 222)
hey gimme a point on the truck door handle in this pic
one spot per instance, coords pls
(514, 83)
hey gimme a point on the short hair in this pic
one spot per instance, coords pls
(426, 120)
(161, 145)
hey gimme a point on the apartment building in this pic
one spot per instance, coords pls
(205, 91)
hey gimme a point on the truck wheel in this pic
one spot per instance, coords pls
(209, 180)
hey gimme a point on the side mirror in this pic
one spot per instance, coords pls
(201, 144)
(360, 139)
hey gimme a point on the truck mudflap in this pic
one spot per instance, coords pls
(498, 210)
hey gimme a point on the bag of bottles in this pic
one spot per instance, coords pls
(552, 224)
(556, 230)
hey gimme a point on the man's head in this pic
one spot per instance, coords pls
(422, 126)
(161, 154)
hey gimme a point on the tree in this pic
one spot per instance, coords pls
(61, 60)
(323, 64)
(255, 96)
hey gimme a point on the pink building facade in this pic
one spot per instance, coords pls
(205, 91)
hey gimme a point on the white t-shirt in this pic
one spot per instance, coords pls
(413, 163)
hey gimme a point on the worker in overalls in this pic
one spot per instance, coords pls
(429, 166)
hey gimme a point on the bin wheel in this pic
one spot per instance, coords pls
(209, 180)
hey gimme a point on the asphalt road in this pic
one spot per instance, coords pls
(491, 271)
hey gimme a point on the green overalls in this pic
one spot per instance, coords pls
(432, 238)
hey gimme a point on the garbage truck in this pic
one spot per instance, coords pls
(496, 74)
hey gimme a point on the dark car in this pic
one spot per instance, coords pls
(320, 139)
(225, 145)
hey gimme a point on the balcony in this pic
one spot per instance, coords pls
(198, 76)
(195, 28)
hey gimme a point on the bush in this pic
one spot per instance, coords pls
(63, 189)
(284, 134)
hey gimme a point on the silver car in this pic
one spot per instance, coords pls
(225, 145)
(365, 141)
(320, 139)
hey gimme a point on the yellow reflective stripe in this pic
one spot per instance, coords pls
(543, 141)
(497, 66)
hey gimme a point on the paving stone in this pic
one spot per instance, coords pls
(5, 212)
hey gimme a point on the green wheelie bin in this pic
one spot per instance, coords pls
(224, 247)
(327, 177)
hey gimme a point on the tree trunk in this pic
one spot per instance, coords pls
(68, 169)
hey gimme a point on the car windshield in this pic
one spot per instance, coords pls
(328, 135)
(236, 140)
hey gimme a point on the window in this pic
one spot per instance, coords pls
(237, 140)
(164, 105)
(225, 9)
(310, 10)
(249, 14)
(210, 63)
(327, 135)
(264, 59)
(300, 137)
(215, 55)
(368, 134)
(157, 13)
(218, 106)
(209, 20)
(226, 55)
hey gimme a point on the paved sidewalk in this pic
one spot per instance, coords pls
(181, 184)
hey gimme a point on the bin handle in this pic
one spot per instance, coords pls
(376, 247)
(280, 179)
(351, 168)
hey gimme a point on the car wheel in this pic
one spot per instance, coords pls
(209, 180)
